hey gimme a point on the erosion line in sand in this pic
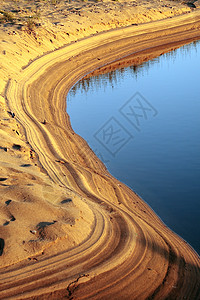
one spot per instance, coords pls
(129, 253)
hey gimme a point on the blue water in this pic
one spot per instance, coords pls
(144, 124)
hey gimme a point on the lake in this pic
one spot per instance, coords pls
(144, 124)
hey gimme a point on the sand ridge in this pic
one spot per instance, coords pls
(127, 253)
(84, 235)
(61, 24)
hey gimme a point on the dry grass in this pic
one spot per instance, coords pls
(22, 11)
(30, 14)
(21, 14)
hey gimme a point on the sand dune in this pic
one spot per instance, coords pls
(79, 233)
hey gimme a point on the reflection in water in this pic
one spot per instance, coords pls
(107, 77)
(101, 81)
(143, 123)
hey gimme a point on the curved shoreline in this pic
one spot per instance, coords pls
(133, 241)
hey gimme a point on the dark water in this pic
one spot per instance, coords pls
(144, 124)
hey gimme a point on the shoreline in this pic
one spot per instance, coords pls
(137, 59)
(121, 233)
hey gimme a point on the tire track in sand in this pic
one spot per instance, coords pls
(128, 253)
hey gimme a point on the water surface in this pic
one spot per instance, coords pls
(144, 124)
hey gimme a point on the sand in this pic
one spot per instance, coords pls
(68, 228)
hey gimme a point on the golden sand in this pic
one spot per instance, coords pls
(68, 228)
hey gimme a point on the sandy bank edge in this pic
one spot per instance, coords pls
(84, 164)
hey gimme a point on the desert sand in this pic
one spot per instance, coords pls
(68, 229)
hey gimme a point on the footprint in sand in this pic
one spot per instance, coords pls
(25, 165)
(4, 148)
(2, 244)
(6, 223)
(12, 219)
(42, 225)
(16, 147)
(68, 200)
(12, 114)
(7, 202)
(3, 178)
